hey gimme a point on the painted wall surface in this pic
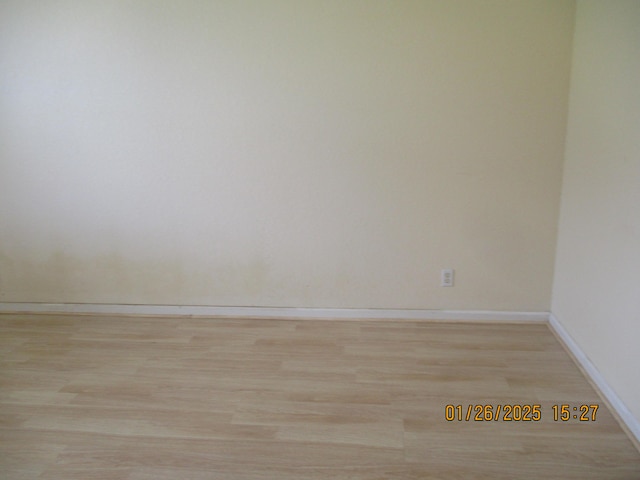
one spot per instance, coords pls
(282, 153)
(597, 286)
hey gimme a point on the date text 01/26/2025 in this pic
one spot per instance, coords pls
(518, 413)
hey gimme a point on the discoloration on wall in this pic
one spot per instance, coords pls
(327, 154)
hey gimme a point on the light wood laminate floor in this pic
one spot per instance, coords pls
(97, 397)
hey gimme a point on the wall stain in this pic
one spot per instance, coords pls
(115, 278)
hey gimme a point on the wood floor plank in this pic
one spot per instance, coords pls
(112, 397)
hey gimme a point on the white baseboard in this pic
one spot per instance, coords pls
(276, 312)
(624, 414)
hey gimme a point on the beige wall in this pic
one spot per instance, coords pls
(282, 153)
(597, 282)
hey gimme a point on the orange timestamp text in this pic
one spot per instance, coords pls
(489, 413)
(518, 412)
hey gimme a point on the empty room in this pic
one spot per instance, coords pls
(319, 239)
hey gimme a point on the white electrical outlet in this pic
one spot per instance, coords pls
(446, 277)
